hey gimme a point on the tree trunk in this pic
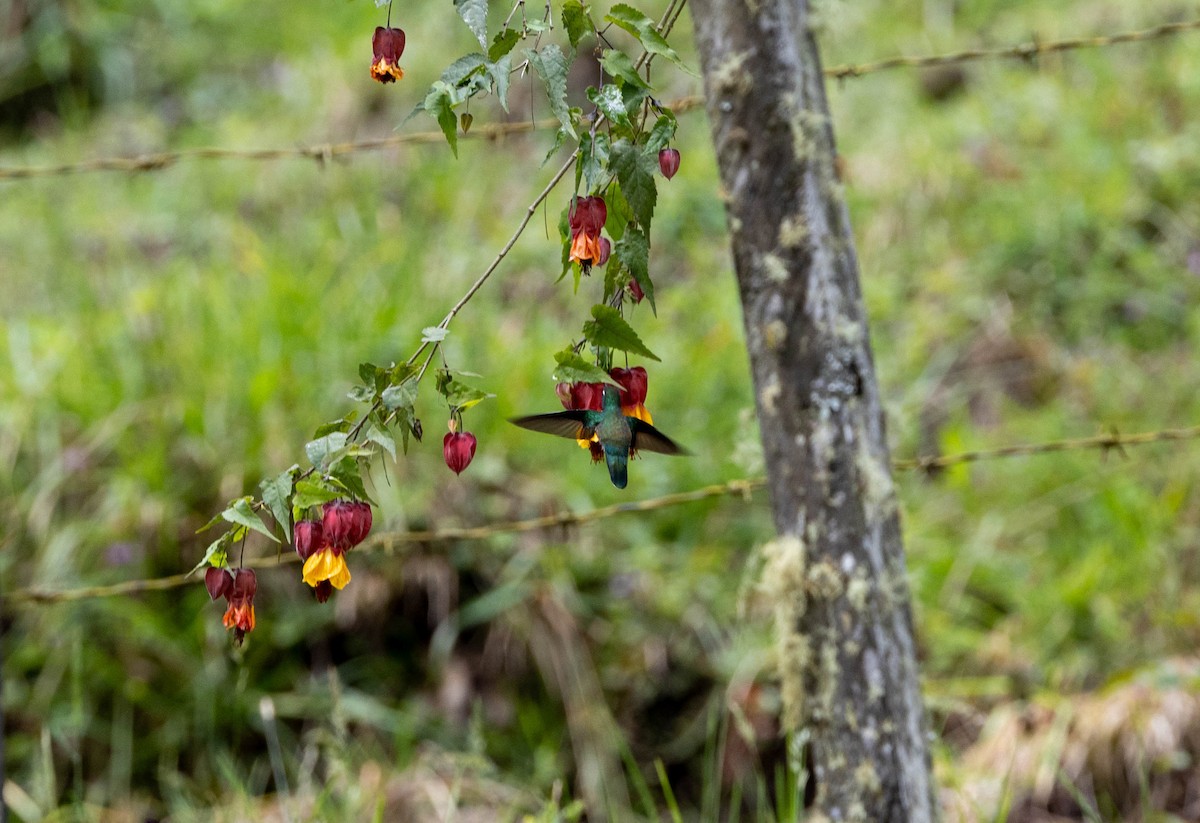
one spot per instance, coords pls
(847, 657)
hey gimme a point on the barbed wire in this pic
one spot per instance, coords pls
(324, 152)
(745, 488)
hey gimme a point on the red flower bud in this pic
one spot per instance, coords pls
(388, 45)
(337, 524)
(636, 291)
(360, 522)
(217, 581)
(310, 537)
(633, 383)
(459, 450)
(563, 390)
(605, 251)
(668, 162)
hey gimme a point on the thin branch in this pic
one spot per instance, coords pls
(391, 541)
(153, 162)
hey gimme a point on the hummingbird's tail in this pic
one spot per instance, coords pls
(618, 466)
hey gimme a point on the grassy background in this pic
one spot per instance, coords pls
(1030, 247)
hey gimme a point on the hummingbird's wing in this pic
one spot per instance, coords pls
(647, 438)
(570, 424)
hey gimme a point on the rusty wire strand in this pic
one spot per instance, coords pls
(390, 541)
(328, 151)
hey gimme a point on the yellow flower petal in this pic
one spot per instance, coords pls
(326, 565)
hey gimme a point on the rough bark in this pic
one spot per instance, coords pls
(847, 655)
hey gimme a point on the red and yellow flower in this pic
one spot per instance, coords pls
(239, 593)
(388, 45)
(586, 218)
(323, 545)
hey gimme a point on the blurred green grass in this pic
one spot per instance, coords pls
(1028, 248)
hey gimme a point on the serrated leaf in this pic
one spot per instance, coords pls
(618, 64)
(572, 368)
(217, 553)
(635, 172)
(241, 514)
(642, 27)
(474, 14)
(377, 434)
(319, 451)
(440, 105)
(433, 334)
(660, 136)
(347, 475)
(611, 104)
(275, 494)
(551, 65)
(503, 43)
(340, 425)
(401, 396)
(619, 213)
(633, 252)
(312, 493)
(594, 166)
(361, 394)
(576, 21)
(609, 329)
(466, 75)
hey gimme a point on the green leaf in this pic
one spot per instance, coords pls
(572, 368)
(609, 329)
(347, 475)
(340, 425)
(474, 14)
(611, 104)
(377, 434)
(217, 553)
(594, 168)
(458, 394)
(241, 514)
(642, 27)
(576, 21)
(401, 396)
(503, 43)
(619, 213)
(635, 172)
(439, 103)
(551, 65)
(433, 334)
(633, 252)
(275, 494)
(618, 64)
(312, 493)
(320, 450)
(501, 72)
(560, 138)
(660, 135)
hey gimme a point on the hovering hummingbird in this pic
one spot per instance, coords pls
(619, 433)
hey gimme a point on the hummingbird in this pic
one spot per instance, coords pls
(619, 434)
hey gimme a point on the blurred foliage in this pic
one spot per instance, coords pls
(1030, 244)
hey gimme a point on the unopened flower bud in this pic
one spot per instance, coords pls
(310, 536)
(459, 450)
(635, 290)
(668, 162)
(605, 251)
(217, 581)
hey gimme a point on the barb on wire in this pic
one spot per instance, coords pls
(327, 151)
(391, 541)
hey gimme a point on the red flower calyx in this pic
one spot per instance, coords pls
(668, 162)
(309, 538)
(459, 450)
(388, 45)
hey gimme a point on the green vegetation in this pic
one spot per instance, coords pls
(1029, 237)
